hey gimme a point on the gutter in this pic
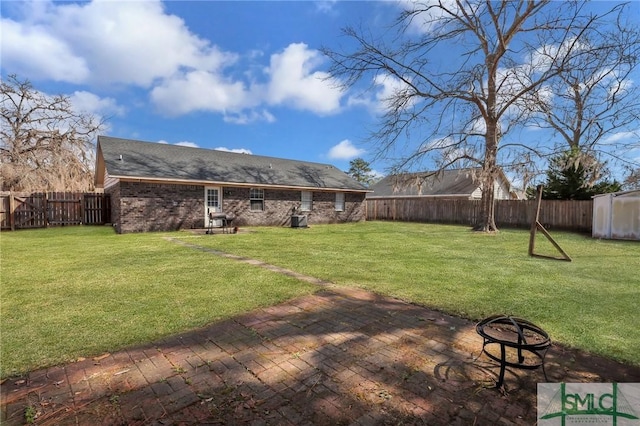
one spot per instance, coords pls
(235, 184)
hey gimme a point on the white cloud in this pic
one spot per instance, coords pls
(106, 42)
(378, 100)
(477, 126)
(325, 6)
(201, 91)
(248, 117)
(137, 43)
(430, 15)
(236, 150)
(345, 150)
(448, 149)
(33, 51)
(620, 136)
(377, 174)
(187, 143)
(93, 104)
(182, 143)
(294, 82)
(438, 143)
(620, 87)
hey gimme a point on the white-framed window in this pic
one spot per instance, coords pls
(256, 199)
(339, 201)
(306, 201)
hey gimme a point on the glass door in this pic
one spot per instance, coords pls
(212, 204)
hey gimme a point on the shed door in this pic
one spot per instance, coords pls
(212, 203)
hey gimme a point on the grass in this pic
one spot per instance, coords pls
(590, 303)
(80, 291)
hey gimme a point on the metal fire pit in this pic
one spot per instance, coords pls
(521, 343)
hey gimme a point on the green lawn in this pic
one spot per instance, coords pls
(79, 291)
(592, 302)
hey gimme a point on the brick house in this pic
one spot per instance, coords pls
(161, 187)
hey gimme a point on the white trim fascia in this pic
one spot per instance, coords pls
(232, 184)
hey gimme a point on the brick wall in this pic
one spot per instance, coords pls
(277, 207)
(140, 207)
(160, 207)
(114, 193)
(279, 204)
(323, 208)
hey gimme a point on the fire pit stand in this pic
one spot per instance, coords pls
(522, 343)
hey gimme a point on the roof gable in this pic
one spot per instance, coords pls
(125, 158)
(452, 183)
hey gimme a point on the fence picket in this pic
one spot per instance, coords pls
(42, 209)
(554, 214)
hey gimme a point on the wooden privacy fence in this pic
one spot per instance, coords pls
(554, 214)
(43, 209)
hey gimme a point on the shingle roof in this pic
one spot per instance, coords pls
(125, 158)
(458, 182)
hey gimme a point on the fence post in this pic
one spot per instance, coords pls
(12, 208)
(534, 222)
(45, 208)
(82, 201)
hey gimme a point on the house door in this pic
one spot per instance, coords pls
(212, 203)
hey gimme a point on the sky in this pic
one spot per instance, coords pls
(244, 76)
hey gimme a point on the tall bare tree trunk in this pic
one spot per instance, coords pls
(487, 206)
(492, 139)
(517, 53)
(487, 221)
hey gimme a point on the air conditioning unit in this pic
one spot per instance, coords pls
(298, 221)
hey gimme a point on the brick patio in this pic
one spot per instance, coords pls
(339, 357)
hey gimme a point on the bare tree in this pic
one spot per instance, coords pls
(46, 145)
(457, 109)
(593, 105)
(632, 181)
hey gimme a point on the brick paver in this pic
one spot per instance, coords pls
(338, 357)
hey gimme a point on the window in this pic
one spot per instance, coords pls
(256, 199)
(306, 201)
(339, 201)
(212, 199)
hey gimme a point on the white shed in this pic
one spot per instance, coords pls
(617, 215)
